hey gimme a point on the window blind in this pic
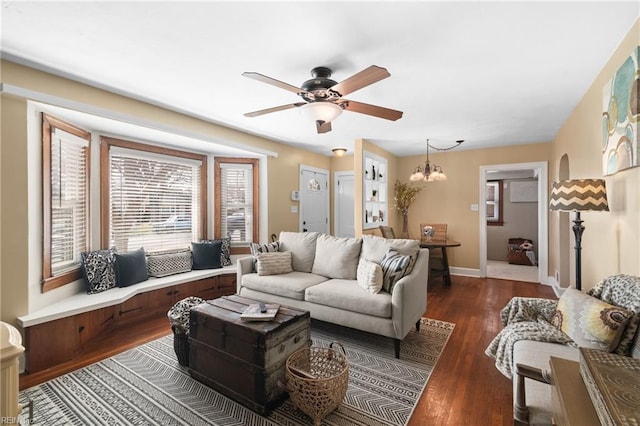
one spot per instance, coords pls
(236, 202)
(154, 201)
(69, 200)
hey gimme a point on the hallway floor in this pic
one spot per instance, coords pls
(507, 271)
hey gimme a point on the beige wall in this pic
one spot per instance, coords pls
(15, 279)
(611, 240)
(450, 201)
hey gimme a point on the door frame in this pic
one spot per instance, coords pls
(302, 168)
(541, 169)
(336, 179)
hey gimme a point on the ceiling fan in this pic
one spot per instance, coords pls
(324, 97)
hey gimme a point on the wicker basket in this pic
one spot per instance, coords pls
(317, 380)
(181, 345)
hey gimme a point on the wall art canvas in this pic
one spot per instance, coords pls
(621, 102)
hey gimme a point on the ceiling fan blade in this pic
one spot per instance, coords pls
(274, 109)
(323, 126)
(362, 79)
(376, 111)
(273, 81)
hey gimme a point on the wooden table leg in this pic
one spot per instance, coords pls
(445, 264)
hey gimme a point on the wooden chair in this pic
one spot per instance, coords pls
(436, 264)
(387, 232)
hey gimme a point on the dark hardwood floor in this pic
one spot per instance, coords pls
(464, 389)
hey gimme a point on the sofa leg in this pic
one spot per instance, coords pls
(396, 347)
(418, 325)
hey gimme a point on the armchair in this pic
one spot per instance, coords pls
(536, 329)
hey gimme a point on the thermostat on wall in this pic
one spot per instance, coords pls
(295, 195)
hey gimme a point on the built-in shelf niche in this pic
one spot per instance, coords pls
(375, 194)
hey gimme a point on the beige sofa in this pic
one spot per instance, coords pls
(324, 282)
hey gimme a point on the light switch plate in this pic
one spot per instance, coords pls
(294, 209)
(474, 207)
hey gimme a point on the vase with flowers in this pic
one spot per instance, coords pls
(405, 195)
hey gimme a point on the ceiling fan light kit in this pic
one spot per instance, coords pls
(323, 96)
(320, 111)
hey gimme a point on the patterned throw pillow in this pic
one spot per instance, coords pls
(225, 250)
(590, 322)
(274, 263)
(99, 270)
(179, 314)
(162, 264)
(369, 276)
(394, 267)
(256, 249)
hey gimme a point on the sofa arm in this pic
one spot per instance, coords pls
(409, 298)
(245, 266)
(520, 409)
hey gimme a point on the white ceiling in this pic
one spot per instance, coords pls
(492, 73)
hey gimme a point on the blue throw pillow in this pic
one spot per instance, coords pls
(131, 268)
(207, 255)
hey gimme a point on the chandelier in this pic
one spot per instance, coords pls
(431, 172)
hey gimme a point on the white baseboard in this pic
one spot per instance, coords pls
(465, 272)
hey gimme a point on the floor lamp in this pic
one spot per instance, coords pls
(578, 195)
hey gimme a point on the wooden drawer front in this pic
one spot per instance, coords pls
(227, 284)
(133, 309)
(51, 343)
(207, 288)
(184, 290)
(161, 300)
(94, 323)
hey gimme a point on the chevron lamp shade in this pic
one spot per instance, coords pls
(579, 195)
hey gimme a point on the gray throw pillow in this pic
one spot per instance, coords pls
(394, 267)
(131, 268)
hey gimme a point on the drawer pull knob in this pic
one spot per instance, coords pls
(296, 339)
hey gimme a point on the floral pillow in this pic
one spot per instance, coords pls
(590, 322)
(99, 270)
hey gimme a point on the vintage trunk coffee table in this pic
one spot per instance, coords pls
(244, 360)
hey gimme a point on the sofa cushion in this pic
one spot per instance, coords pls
(274, 263)
(336, 257)
(374, 248)
(590, 322)
(291, 285)
(302, 246)
(348, 295)
(369, 276)
(394, 267)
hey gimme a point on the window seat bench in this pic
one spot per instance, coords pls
(56, 333)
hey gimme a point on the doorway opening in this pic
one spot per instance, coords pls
(524, 192)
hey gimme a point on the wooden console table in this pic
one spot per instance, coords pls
(442, 245)
(572, 405)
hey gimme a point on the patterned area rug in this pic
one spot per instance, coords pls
(147, 386)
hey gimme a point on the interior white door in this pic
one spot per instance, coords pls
(314, 199)
(344, 209)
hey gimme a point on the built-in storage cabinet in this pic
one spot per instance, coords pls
(375, 193)
(58, 341)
